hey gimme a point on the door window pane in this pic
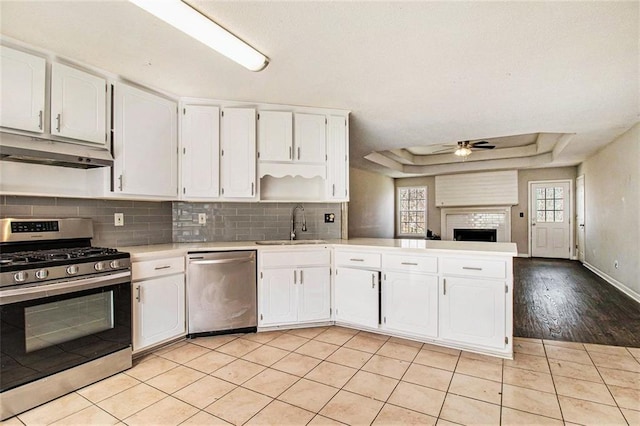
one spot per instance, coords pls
(550, 204)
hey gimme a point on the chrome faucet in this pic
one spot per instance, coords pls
(293, 221)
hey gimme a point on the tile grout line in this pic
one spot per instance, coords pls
(607, 386)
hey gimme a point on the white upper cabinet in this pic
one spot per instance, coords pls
(310, 138)
(275, 135)
(23, 90)
(145, 143)
(337, 158)
(238, 153)
(78, 104)
(200, 152)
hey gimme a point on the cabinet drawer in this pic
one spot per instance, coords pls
(157, 268)
(358, 259)
(475, 267)
(295, 258)
(410, 263)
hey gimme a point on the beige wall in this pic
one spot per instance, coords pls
(371, 205)
(612, 209)
(520, 225)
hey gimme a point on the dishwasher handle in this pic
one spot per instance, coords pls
(219, 261)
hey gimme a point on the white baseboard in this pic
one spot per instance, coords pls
(617, 284)
(523, 255)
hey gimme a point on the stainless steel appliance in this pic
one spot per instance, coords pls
(221, 292)
(65, 311)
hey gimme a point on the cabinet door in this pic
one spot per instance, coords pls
(473, 311)
(356, 296)
(337, 159)
(310, 138)
(314, 294)
(410, 303)
(158, 310)
(238, 153)
(145, 143)
(22, 90)
(78, 104)
(200, 152)
(275, 136)
(278, 302)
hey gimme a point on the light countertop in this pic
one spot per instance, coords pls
(155, 251)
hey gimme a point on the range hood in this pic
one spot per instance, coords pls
(27, 149)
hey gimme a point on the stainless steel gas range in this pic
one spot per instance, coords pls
(65, 311)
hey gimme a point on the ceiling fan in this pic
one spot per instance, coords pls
(464, 148)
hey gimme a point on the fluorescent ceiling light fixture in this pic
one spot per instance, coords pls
(191, 22)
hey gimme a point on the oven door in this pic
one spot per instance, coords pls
(50, 328)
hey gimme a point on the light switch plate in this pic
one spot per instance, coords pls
(118, 219)
(202, 218)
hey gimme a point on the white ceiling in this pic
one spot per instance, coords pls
(412, 73)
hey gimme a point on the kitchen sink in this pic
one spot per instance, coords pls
(289, 242)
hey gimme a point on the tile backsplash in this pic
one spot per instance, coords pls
(145, 222)
(252, 221)
(152, 222)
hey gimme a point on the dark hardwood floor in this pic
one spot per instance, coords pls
(563, 300)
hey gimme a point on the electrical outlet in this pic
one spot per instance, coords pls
(118, 219)
(616, 264)
(329, 217)
(202, 218)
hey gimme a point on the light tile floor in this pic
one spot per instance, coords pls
(335, 375)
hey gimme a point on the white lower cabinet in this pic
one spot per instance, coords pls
(410, 303)
(314, 294)
(472, 311)
(158, 302)
(279, 304)
(357, 296)
(295, 287)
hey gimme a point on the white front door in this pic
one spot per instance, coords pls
(550, 219)
(580, 217)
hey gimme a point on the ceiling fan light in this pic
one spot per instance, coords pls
(463, 151)
(196, 25)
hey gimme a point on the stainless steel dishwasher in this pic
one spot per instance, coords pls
(221, 292)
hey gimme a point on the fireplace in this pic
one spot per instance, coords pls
(482, 223)
(466, 234)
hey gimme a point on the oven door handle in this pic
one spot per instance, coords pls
(15, 295)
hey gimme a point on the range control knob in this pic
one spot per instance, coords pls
(20, 276)
(42, 274)
(99, 266)
(72, 270)
(115, 264)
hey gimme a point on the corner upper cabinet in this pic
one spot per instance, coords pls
(337, 158)
(145, 144)
(78, 104)
(23, 90)
(238, 153)
(200, 152)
